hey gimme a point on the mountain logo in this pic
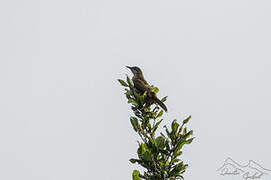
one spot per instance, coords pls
(251, 170)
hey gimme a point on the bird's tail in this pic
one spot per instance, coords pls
(160, 103)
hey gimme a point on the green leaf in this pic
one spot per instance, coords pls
(167, 145)
(137, 96)
(141, 149)
(136, 175)
(190, 133)
(123, 83)
(155, 89)
(164, 99)
(130, 82)
(141, 99)
(145, 122)
(180, 144)
(160, 142)
(147, 156)
(156, 125)
(186, 120)
(135, 160)
(174, 126)
(167, 131)
(149, 125)
(189, 140)
(145, 95)
(132, 101)
(185, 130)
(175, 160)
(177, 153)
(128, 93)
(176, 170)
(134, 122)
(160, 114)
(186, 134)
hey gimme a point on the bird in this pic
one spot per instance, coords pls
(142, 86)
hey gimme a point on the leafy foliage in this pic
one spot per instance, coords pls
(158, 154)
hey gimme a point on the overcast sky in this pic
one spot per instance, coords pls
(63, 115)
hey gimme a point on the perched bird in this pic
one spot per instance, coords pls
(141, 86)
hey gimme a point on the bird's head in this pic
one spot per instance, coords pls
(135, 70)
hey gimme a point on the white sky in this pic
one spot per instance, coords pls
(63, 115)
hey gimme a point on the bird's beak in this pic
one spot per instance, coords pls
(129, 67)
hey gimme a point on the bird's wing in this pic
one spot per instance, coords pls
(142, 85)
